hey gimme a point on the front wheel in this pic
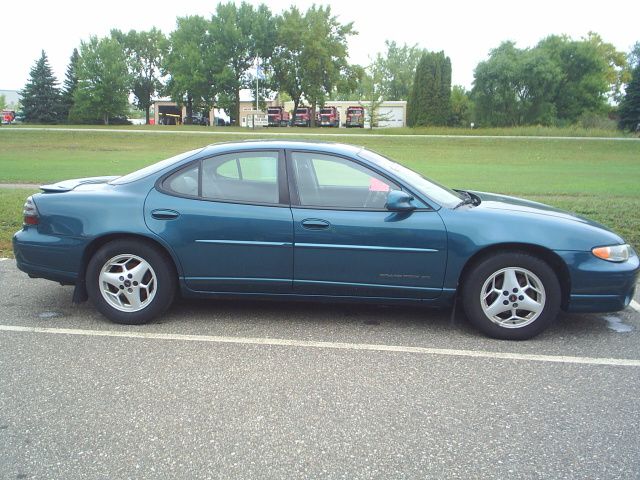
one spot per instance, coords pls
(130, 282)
(511, 296)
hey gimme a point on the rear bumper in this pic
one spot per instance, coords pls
(598, 285)
(48, 256)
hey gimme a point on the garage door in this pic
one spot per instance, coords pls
(391, 116)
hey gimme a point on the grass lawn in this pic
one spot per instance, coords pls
(598, 179)
(572, 131)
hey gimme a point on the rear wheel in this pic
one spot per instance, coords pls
(511, 296)
(130, 282)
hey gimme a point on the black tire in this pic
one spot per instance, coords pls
(164, 284)
(484, 270)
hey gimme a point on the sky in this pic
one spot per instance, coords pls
(465, 30)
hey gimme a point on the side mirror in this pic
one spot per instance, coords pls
(398, 201)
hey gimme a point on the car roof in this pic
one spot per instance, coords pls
(328, 147)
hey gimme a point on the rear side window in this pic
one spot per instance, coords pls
(184, 182)
(248, 177)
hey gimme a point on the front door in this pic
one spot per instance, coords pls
(229, 223)
(345, 241)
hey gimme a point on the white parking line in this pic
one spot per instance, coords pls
(620, 362)
(302, 134)
(635, 305)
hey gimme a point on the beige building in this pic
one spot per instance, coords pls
(248, 109)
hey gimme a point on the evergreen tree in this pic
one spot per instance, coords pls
(41, 96)
(430, 98)
(69, 86)
(629, 109)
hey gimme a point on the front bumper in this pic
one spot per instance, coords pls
(598, 285)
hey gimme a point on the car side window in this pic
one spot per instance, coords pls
(328, 181)
(242, 177)
(184, 182)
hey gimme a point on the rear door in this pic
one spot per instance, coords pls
(228, 219)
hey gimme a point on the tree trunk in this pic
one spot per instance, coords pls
(106, 118)
(312, 119)
(296, 104)
(146, 114)
(237, 108)
(189, 109)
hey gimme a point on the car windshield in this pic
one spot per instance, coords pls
(156, 167)
(438, 193)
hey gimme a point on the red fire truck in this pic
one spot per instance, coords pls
(355, 117)
(302, 117)
(277, 117)
(329, 117)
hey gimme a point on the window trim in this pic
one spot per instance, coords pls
(293, 183)
(282, 183)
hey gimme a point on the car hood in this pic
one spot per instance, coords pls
(68, 185)
(493, 201)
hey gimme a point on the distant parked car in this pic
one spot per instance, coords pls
(196, 119)
(316, 221)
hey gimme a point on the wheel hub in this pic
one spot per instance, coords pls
(127, 282)
(513, 297)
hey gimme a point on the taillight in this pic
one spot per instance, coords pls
(30, 212)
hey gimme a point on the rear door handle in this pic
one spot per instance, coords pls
(315, 224)
(162, 214)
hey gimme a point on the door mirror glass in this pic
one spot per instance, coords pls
(398, 201)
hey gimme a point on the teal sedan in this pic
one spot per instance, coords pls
(318, 221)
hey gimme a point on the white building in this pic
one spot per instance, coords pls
(391, 113)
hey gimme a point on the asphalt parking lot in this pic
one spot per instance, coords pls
(221, 389)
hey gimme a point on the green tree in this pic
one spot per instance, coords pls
(3, 102)
(41, 96)
(496, 86)
(241, 36)
(310, 57)
(188, 64)
(461, 107)
(286, 61)
(430, 99)
(324, 56)
(145, 53)
(373, 96)
(351, 85)
(397, 68)
(69, 86)
(629, 110)
(633, 59)
(103, 81)
(554, 82)
(591, 72)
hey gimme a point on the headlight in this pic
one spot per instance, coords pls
(613, 253)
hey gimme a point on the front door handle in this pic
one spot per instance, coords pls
(163, 214)
(315, 224)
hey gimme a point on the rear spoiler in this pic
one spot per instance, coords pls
(68, 185)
